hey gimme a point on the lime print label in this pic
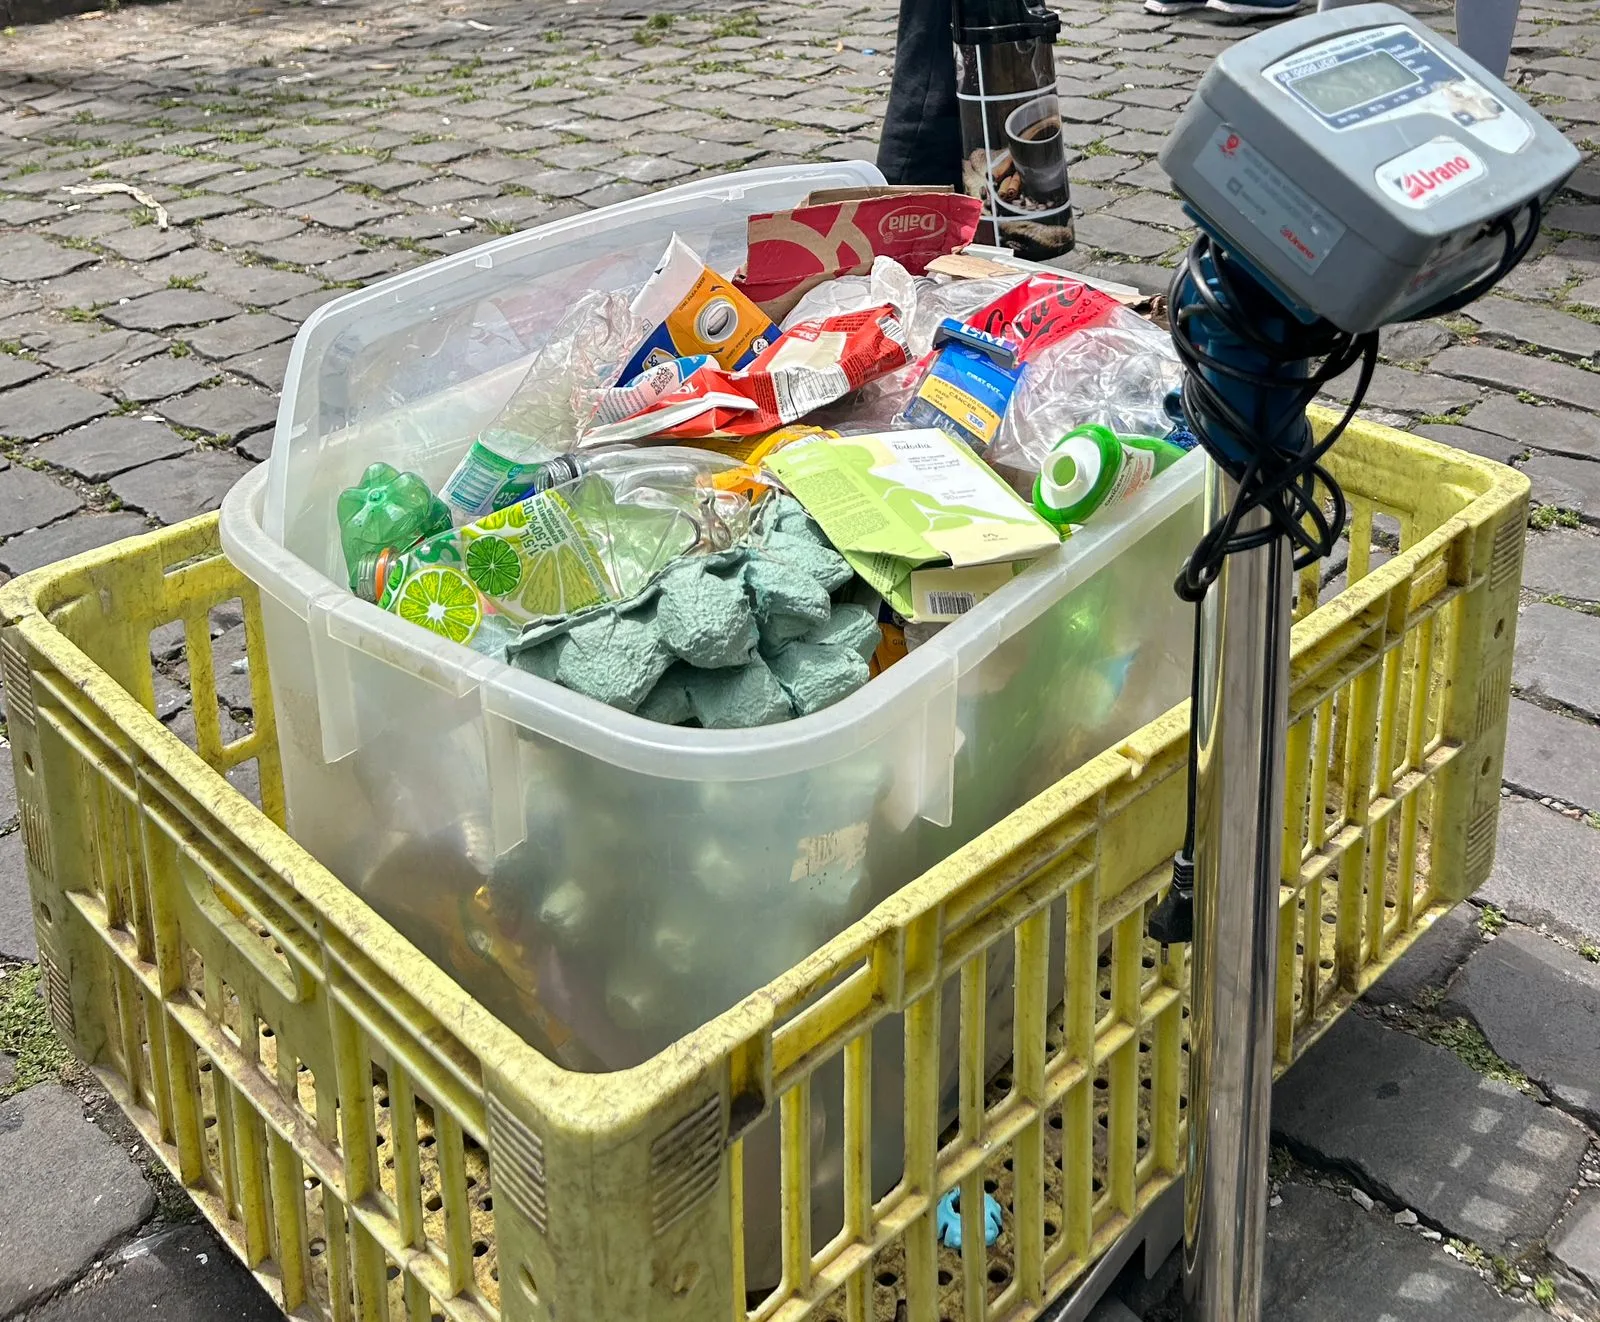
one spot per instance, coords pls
(527, 562)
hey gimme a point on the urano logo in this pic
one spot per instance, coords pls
(1420, 177)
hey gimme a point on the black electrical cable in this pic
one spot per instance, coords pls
(1277, 477)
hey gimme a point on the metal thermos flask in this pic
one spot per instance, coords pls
(1014, 156)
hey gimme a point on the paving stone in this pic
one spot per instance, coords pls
(67, 537)
(1544, 871)
(290, 193)
(1472, 441)
(1570, 484)
(100, 286)
(1327, 1258)
(1420, 1129)
(1537, 279)
(1538, 426)
(1555, 655)
(1150, 208)
(308, 249)
(187, 210)
(368, 263)
(96, 1194)
(238, 335)
(389, 176)
(17, 937)
(245, 231)
(1562, 562)
(258, 286)
(28, 257)
(298, 309)
(1517, 372)
(110, 446)
(43, 407)
(1538, 1003)
(8, 802)
(1413, 341)
(157, 378)
(1578, 218)
(1506, 319)
(225, 410)
(564, 183)
(442, 192)
(146, 242)
(1401, 391)
(1123, 236)
(515, 210)
(178, 489)
(185, 1274)
(169, 309)
(1576, 1241)
(433, 153)
(346, 210)
(656, 169)
(1553, 756)
(1433, 957)
(100, 346)
(16, 212)
(15, 371)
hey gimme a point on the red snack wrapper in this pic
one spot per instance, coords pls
(809, 365)
(1043, 310)
(793, 251)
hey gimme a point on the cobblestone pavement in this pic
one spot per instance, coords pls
(299, 150)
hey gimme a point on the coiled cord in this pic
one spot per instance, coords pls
(1280, 474)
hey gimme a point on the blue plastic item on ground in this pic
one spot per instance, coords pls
(947, 1220)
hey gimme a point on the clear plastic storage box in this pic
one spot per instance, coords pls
(631, 880)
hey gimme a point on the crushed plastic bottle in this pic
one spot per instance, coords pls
(387, 510)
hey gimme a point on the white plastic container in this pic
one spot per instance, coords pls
(601, 882)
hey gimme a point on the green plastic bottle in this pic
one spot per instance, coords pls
(1091, 467)
(386, 511)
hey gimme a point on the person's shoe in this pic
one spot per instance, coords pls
(1247, 11)
(1167, 8)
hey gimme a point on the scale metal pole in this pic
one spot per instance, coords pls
(1241, 727)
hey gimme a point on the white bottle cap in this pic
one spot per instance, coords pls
(1070, 472)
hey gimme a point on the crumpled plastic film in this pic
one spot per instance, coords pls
(1117, 375)
(585, 353)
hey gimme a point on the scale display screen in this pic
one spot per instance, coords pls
(1351, 83)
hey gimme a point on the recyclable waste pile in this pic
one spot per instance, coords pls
(730, 499)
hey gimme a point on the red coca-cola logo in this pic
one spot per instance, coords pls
(1048, 318)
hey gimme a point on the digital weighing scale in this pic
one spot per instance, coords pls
(1363, 166)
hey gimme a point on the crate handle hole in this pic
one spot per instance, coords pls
(1499, 627)
(44, 910)
(1484, 769)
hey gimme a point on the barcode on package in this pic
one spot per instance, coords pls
(950, 603)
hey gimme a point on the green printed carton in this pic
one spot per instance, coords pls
(915, 512)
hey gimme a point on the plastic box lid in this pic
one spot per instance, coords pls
(421, 361)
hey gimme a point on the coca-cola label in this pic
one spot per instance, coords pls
(1420, 177)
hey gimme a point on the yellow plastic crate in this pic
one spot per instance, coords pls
(374, 1145)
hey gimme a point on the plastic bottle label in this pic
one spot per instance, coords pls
(486, 481)
(1138, 467)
